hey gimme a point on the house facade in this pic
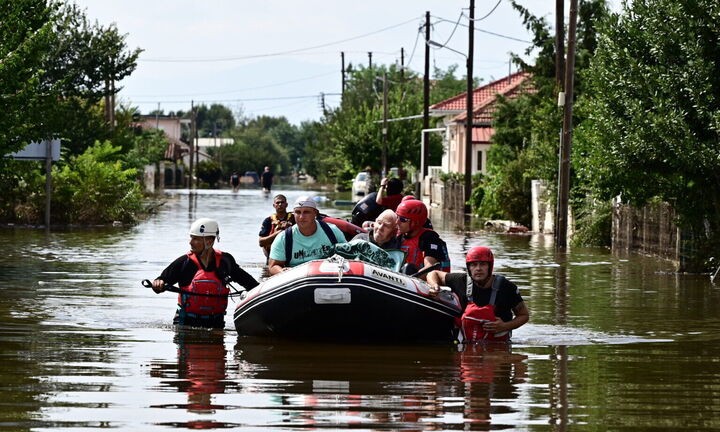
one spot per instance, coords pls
(452, 115)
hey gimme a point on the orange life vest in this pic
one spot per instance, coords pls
(205, 282)
(275, 222)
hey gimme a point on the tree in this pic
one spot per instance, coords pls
(214, 121)
(654, 112)
(56, 68)
(352, 133)
(525, 143)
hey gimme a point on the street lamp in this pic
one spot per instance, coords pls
(469, 115)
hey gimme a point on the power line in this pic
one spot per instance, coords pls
(275, 54)
(440, 19)
(233, 100)
(240, 90)
(489, 13)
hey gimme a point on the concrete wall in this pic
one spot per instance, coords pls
(543, 216)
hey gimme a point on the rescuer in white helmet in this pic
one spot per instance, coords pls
(202, 276)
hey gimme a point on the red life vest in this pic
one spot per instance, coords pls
(205, 282)
(415, 255)
(474, 317)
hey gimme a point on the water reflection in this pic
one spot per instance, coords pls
(388, 387)
(200, 373)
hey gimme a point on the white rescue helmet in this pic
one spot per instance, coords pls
(205, 227)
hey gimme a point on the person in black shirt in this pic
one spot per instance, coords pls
(267, 179)
(203, 274)
(510, 309)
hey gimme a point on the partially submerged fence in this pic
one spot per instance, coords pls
(653, 230)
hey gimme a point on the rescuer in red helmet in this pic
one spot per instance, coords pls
(423, 246)
(493, 305)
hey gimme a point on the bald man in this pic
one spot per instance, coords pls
(383, 232)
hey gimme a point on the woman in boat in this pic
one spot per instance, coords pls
(203, 275)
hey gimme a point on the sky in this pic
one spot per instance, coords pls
(275, 58)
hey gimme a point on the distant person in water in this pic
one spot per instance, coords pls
(235, 181)
(266, 179)
(274, 224)
(206, 271)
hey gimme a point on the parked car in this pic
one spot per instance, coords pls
(251, 177)
(361, 184)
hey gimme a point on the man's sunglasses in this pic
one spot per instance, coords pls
(403, 219)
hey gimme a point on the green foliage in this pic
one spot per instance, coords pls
(526, 139)
(56, 67)
(350, 137)
(95, 188)
(593, 224)
(654, 113)
(214, 121)
(254, 148)
(209, 172)
(148, 147)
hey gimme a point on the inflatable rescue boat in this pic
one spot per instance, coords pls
(346, 300)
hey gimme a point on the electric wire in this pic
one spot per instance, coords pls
(489, 13)
(275, 54)
(238, 90)
(440, 19)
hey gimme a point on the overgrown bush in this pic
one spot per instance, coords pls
(95, 188)
(593, 223)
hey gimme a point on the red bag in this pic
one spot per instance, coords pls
(474, 317)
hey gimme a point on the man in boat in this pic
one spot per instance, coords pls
(383, 231)
(389, 194)
(307, 240)
(205, 271)
(423, 246)
(493, 305)
(274, 224)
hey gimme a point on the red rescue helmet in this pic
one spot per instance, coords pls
(480, 254)
(414, 210)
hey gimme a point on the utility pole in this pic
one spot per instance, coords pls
(369, 59)
(559, 42)
(468, 128)
(426, 99)
(385, 125)
(402, 64)
(342, 71)
(193, 126)
(566, 144)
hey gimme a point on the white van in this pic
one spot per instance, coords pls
(361, 184)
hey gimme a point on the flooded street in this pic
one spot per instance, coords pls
(614, 342)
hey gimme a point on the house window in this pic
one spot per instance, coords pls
(479, 161)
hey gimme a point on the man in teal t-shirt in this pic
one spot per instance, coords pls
(310, 239)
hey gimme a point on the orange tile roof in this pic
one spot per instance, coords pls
(484, 98)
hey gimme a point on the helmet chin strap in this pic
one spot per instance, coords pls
(205, 248)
